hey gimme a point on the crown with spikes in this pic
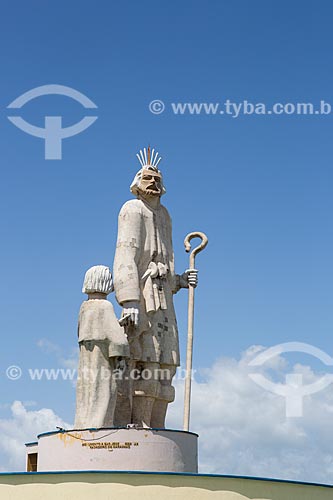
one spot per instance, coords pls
(149, 159)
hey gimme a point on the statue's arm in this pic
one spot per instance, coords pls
(79, 321)
(127, 255)
(189, 277)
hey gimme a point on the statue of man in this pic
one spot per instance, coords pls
(144, 282)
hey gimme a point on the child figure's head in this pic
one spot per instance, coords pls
(98, 281)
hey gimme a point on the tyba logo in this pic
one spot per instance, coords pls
(293, 390)
(53, 133)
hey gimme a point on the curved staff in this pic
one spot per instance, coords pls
(189, 352)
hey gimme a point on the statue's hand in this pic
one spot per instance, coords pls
(120, 364)
(189, 277)
(131, 309)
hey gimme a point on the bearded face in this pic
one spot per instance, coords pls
(150, 183)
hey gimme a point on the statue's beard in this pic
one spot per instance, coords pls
(151, 190)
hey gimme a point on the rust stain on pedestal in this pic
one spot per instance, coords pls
(69, 439)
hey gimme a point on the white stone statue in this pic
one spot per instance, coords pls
(144, 282)
(103, 350)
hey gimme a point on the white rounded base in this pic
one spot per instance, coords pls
(153, 450)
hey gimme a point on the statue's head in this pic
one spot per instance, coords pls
(148, 182)
(98, 279)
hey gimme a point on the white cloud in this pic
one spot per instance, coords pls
(21, 428)
(68, 360)
(243, 428)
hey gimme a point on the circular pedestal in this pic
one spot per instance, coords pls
(154, 450)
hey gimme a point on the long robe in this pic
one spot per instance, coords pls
(101, 341)
(143, 271)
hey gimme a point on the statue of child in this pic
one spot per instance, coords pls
(103, 351)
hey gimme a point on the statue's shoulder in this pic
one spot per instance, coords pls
(132, 206)
(83, 305)
(95, 310)
(95, 304)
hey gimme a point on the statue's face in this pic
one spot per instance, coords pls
(151, 183)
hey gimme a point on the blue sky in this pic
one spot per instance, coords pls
(259, 186)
